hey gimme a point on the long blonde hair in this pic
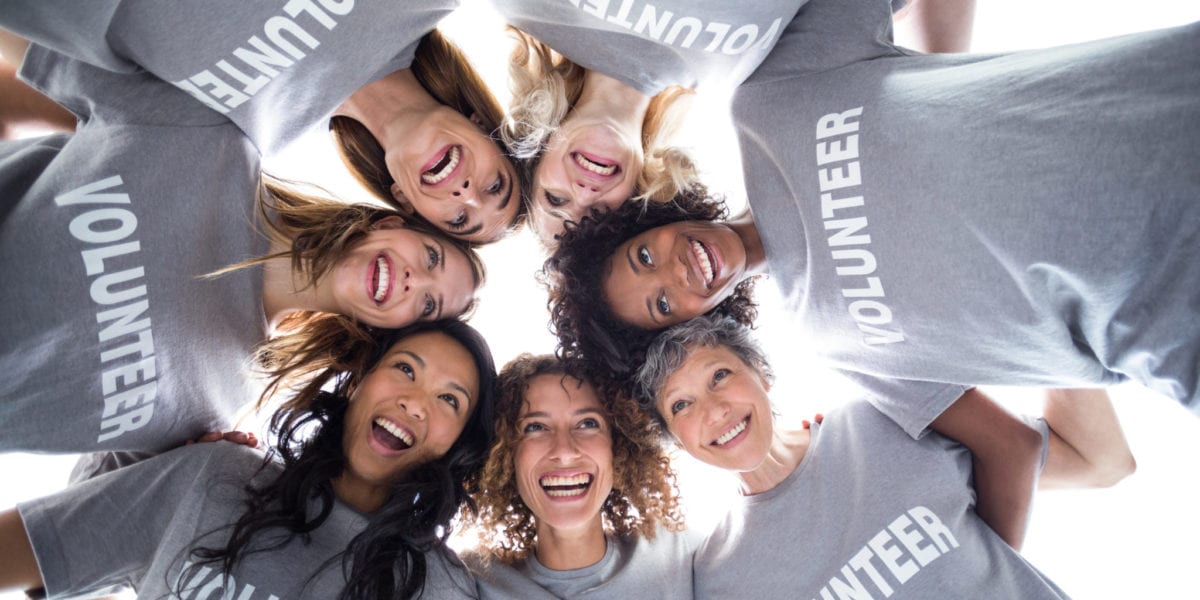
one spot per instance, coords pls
(546, 85)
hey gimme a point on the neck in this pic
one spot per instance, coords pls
(285, 291)
(786, 452)
(756, 256)
(363, 498)
(606, 98)
(389, 107)
(567, 549)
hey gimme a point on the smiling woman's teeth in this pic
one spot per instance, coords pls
(564, 487)
(705, 262)
(444, 167)
(396, 432)
(732, 433)
(381, 278)
(595, 167)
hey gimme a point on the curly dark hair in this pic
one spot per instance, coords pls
(644, 494)
(387, 559)
(587, 329)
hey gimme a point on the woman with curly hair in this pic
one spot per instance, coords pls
(355, 501)
(903, 511)
(415, 122)
(576, 499)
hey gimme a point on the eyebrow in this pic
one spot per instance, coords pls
(470, 400)
(468, 231)
(441, 302)
(442, 251)
(507, 191)
(546, 415)
(416, 358)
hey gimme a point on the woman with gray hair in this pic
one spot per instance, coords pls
(903, 509)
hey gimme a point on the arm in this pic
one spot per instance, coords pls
(1087, 446)
(18, 567)
(1006, 453)
(20, 104)
(936, 26)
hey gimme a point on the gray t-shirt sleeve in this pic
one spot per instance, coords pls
(912, 404)
(75, 29)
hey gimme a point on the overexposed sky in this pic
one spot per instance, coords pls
(1134, 540)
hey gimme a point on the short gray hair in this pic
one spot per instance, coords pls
(668, 351)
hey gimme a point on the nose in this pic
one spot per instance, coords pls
(715, 410)
(466, 194)
(586, 193)
(565, 448)
(682, 272)
(415, 280)
(414, 406)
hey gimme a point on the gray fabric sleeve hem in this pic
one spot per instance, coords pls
(932, 409)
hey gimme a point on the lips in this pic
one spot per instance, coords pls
(595, 164)
(732, 433)
(380, 281)
(443, 165)
(391, 435)
(566, 487)
(705, 260)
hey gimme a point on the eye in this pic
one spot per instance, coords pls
(589, 423)
(459, 222)
(643, 255)
(406, 368)
(434, 258)
(720, 374)
(555, 201)
(450, 399)
(532, 427)
(664, 307)
(679, 405)
(496, 185)
(430, 306)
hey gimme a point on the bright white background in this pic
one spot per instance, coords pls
(1136, 540)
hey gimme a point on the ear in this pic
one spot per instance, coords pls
(389, 222)
(478, 121)
(402, 202)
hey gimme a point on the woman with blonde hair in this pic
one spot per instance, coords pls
(576, 500)
(277, 71)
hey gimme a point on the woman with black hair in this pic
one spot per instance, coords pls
(360, 508)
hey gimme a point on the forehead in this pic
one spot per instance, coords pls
(699, 359)
(554, 393)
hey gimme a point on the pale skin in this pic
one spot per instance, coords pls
(594, 158)
(21, 106)
(444, 165)
(713, 392)
(936, 26)
(564, 434)
(426, 384)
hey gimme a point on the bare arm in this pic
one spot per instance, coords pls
(936, 26)
(1006, 453)
(1087, 446)
(18, 567)
(20, 104)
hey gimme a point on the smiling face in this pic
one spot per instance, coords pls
(588, 163)
(673, 273)
(450, 172)
(406, 412)
(397, 276)
(563, 459)
(716, 407)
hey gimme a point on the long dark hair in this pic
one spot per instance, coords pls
(387, 559)
(587, 328)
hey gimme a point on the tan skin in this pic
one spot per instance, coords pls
(566, 438)
(717, 409)
(392, 278)
(444, 165)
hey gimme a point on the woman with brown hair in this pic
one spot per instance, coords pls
(576, 499)
(415, 121)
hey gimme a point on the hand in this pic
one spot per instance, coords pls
(244, 438)
(817, 418)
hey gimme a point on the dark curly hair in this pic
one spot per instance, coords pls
(386, 560)
(586, 327)
(644, 494)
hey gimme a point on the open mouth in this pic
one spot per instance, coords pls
(566, 487)
(444, 167)
(592, 164)
(380, 286)
(390, 435)
(705, 259)
(733, 432)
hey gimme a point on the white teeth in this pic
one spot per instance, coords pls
(705, 263)
(594, 167)
(381, 283)
(391, 428)
(564, 487)
(449, 161)
(732, 433)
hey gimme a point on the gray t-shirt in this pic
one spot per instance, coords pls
(108, 328)
(868, 513)
(653, 45)
(274, 68)
(631, 568)
(1025, 219)
(138, 526)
